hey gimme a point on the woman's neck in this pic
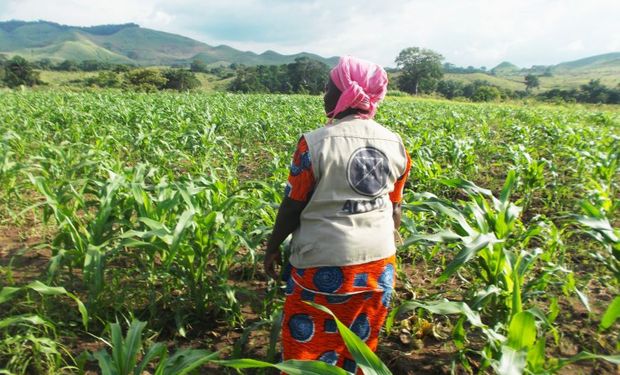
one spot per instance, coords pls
(349, 112)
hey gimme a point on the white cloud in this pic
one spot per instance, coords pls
(474, 32)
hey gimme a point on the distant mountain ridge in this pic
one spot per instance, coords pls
(609, 62)
(125, 44)
(131, 44)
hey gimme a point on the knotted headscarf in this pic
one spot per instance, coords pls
(363, 85)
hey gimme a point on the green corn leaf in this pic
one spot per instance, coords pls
(582, 356)
(184, 222)
(82, 309)
(117, 347)
(481, 295)
(467, 253)
(466, 185)
(363, 356)
(508, 185)
(584, 299)
(243, 339)
(185, 360)
(536, 356)
(611, 314)
(106, 364)
(30, 319)
(290, 367)
(522, 331)
(446, 236)
(41, 288)
(512, 362)
(274, 333)
(154, 224)
(132, 345)
(443, 307)
(6, 293)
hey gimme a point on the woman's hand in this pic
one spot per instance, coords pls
(271, 260)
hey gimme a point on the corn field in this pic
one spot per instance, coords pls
(149, 213)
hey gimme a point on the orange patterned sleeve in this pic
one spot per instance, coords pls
(300, 182)
(396, 196)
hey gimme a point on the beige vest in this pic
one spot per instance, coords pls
(348, 219)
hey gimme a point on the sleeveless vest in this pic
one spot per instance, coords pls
(348, 219)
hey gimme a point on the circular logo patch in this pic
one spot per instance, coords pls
(368, 171)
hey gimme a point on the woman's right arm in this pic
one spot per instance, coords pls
(296, 197)
(287, 221)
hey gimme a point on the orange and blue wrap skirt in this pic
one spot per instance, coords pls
(359, 295)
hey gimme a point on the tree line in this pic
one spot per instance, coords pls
(18, 71)
(419, 71)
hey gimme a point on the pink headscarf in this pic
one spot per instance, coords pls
(363, 85)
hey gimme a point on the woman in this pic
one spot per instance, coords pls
(342, 204)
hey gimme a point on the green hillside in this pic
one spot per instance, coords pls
(74, 50)
(609, 60)
(515, 83)
(127, 43)
(505, 68)
(570, 74)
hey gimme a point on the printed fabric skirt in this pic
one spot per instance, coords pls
(359, 295)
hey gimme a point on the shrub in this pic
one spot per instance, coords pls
(486, 94)
(180, 80)
(145, 79)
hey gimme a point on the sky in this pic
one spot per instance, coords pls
(465, 32)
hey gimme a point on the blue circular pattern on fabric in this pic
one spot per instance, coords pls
(386, 280)
(305, 160)
(295, 170)
(330, 357)
(361, 326)
(386, 298)
(368, 171)
(349, 365)
(336, 300)
(328, 279)
(301, 327)
(290, 285)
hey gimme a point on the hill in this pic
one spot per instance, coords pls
(566, 75)
(593, 63)
(505, 68)
(126, 43)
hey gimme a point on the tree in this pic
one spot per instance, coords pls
(486, 94)
(306, 75)
(68, 66)
(531, 82)
(418, 64)
(145, 79)
(104, 79)
(44, 64)
(180, 79)
(18, 71)
(450, 88)
(594, 92)
(199, 66)
(94, 65)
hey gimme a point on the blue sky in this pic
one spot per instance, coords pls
(466, 32)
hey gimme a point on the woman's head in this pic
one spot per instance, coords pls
(355, 84)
